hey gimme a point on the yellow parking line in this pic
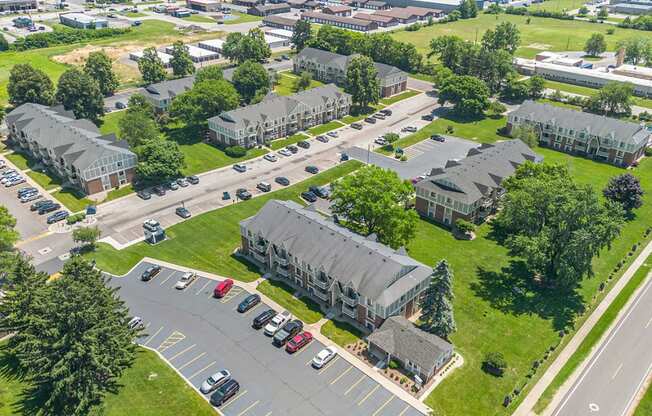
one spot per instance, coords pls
(268, 414)
(404, 410)
(155, 334)
(33, 238)
(249, 408)
(369, 394)
(329, 365)
(182, 352)
(383, 406)
(202, 288)
(191, 361)
(355, 384)
(249, 311)
(167, 278)
(172, 340)
(308, 363)
(341, 375)
(200, 371)
(233, 400)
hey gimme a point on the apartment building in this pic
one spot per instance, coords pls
(74, 149)
(364, 279)
(278, 116)
(280, 22)
(470, 188)
(606, 139)
(162, 93)
(331, 67)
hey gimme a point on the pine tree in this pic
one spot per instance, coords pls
(436, 303)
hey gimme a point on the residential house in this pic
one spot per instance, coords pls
(268, 9)
(331, 67)
(366, 280)
(279, 116)
(470, 188)
(280, 22)
(606, 139)
(350, 23)
(337, 10)
(399, 13)
(374, 5)
(303, 4)
(419, 352)
(74, 149)
(162, 93)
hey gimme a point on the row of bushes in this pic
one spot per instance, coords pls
(524, 11)
(639, 23)
(64, 37)
(73, 219)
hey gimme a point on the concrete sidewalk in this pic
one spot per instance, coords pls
(527, 405)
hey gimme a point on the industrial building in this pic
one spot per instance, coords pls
(280, 22)
(17, 5)
(268, 9)
(82, 21)
(164, 57)
(444, 5)
(280, 33)
(197, 54)
(204, 5)
(214, 45)
(340, 21)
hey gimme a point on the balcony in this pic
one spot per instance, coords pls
(261, 258)
(350, 301)
(260, 248)
(282, 271)
(348, 311)
(321, 284)
(322, 295)
(281, 261)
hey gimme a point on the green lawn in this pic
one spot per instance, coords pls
(325, 128)
(110, 122)
(358, 115)
(46, 180)
(400, 97)
(595, 335)
(72, 199)
(119, 193)
(557, 5)
(341, 333)
(149, 388)
(302, 308)
(286, 82)
(197, 18)
(645, 406)
(135, 14)
(280, 143)
(242, 18)
(578, 89)
(207, 241)
(540, 34)
(484, 131)
(20, 160)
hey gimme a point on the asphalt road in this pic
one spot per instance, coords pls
(200, 335)
(617, 370)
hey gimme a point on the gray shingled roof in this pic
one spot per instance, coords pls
(374, 270)
(481, 170)
(335, 18)
(79, 142)
(624, 131)
(401, 338)
(342, 61)
(276, 107)
(280, 20)
(169, 89)
(271, 7)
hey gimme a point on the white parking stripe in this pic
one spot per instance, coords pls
(249, 408)
(329, 365)
(191, 361)
(355, 384)
(155, 334)
(182, 352)
(341, 375)
(364, 399)
(383, 405)
(202, 370)
(202, 288)
(234, 399)
(167, 278)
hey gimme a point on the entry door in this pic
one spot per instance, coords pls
(448, 214)
(106, 182)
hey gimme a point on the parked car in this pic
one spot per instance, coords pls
(320, 191)
(226, 195)
(215, 381)
(57, 216)
(144, 194)
(282, 180)
(25, 190)
(277, 323)
(136, 323)
(427, 117)
(186, 280)
(298, 341)
(370, 120)
(333, 134)
(222, 288)
(292, 148)
(264, 186)
(159, 190)
(15, 181)
(284, 152)
(38, 204)
(30, 197)
(194, 179)
(248, 303)
(438, 138)
(409, 129)
(151, 225)
(344, 157)
(48, 208)
(323, 139)
(312, 169)
(240, 167)
(270, 157)
(381, 141)
(303, 144)
(182, 182)
(173, 186)
(263, 319)
(357, 126)
(150, 273)
(120, 105)
(287, 332)
(386, 112)
(379, 116)
(309, 196)
(324, 356)
(227, 390)
(243, 194)
(182, 212)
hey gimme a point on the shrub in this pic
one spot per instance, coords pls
(235, 151)
(391, 137)
(75, 218)
(65, 37)
(648, 151)
(611, 31)
(393, 364)
(403, 380)
(494, 363)
(403, 158)
(464, 226)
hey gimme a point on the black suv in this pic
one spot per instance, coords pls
(320, 191)
(248, 303)
(159, 190)
(44, 209)
(37, 205)
(262, 319)
(225, 392)
(303, 144)
(150, 273)
(312, 169)
(370, 120)
(286, 333)
(292, 148)
(309, 196)
(243, 194)
(282, 180)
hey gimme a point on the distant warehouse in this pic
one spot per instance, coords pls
(204, 5)
(197, 54)
(340, 21)
(17, 5)
(444, 5)
(164, 57)
(82, 21)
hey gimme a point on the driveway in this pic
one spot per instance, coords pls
(199, 335)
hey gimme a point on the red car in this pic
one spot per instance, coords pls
(299, 341)
(223, 288)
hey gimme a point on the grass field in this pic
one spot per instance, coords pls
(286, 82)
(21, 161)
(399, 97)
(46, 180)
(72, 199)
(150, 387)
(302, 308)
(207, 241)
(280, 143)
(110, 122)
(242, 18)
(580, 90)
(341, 333)
(197, 18)
(540, 34)
(645, 406)
(325, 128)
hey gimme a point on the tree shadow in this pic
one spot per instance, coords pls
(512, 290)
(184, 134)
(30, 399)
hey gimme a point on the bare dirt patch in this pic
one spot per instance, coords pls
(541, 46)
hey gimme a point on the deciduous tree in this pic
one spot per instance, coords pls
(527, 134)
(436, 303)
(159, 160)
(638, 50)
(151, 67)
(595, 45)
(625, 190)
(209, 73)
(86, 235)
(301, 34)
(4, 45)
(29, 85)
(205, 100)
(303, 82)
(80, 94)
(180, 62)
(362, 81)
(138, 103)
(505, 36)
(613, 98)
(469, 95)
(249, 79)
(98, 67)
(374, 201)
(137, 127)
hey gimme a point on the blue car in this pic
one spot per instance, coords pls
(248, 303)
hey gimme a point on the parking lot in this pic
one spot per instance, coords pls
(200, 335)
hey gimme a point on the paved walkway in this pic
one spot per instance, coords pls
(526, 407)
(315, 329)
